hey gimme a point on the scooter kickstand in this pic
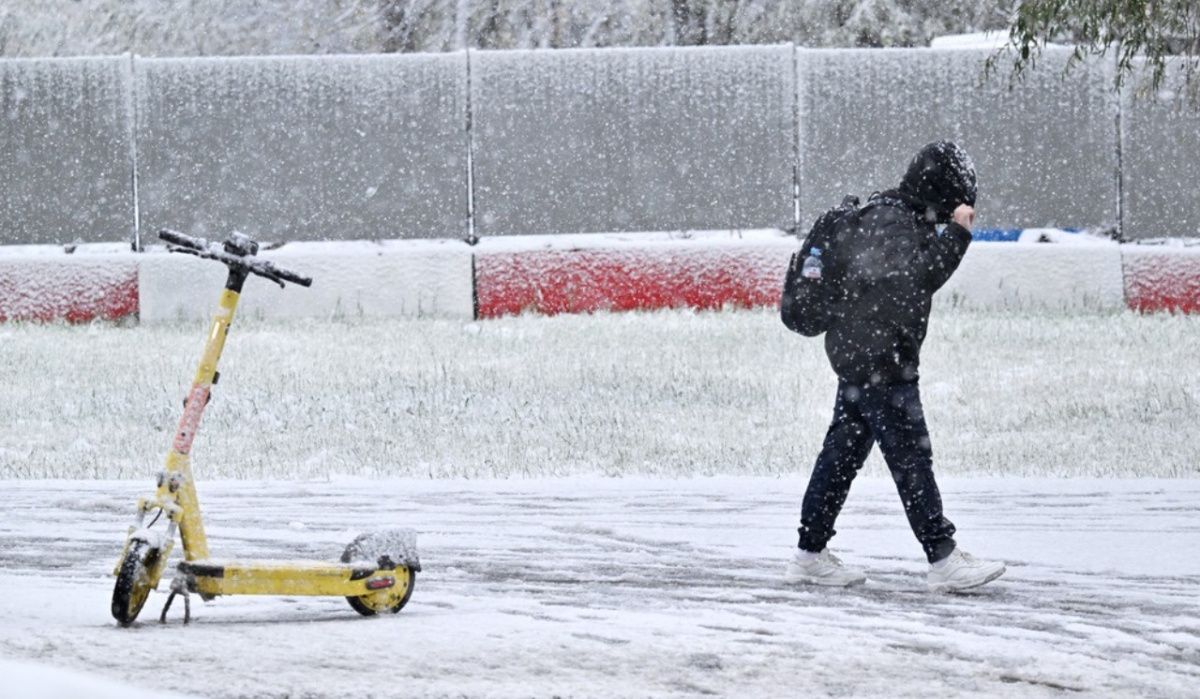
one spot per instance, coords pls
(178, 587)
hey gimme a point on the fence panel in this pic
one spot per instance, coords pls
(1160, 140)
(1045, 152)
(66, 164)
(574, 141)
(348, 147)
(304, 148)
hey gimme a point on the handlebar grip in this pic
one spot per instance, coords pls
(293, 277)
(182, 240)
(269, 270)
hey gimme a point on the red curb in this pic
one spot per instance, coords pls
(73, 291)
(1163, 279)
(589, 280)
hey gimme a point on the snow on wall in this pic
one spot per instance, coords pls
(1045, 152)
(632, 140)
(632, 275)
(1163, 278)
(75, 288)
(1037, 276)
(66, 159)
(404, 278)
(747, 270)
(568, 274)
(1160, 137)
(304, 148)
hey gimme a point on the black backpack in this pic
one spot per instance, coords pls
(810, 306)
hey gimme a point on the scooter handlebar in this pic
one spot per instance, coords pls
(182, 240)
(215, 251)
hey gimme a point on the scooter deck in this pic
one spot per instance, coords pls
(212, 577)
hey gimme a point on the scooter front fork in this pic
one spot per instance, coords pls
(159, 540)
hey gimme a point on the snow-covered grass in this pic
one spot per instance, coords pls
(667, 393)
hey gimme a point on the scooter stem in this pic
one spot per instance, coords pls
(178, 481)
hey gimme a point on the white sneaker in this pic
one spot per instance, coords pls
(822, 568)
(962, 571)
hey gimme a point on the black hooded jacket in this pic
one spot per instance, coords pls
(895, 260)
(940, 177)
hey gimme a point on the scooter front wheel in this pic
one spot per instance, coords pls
(133, 582)
(391, 599)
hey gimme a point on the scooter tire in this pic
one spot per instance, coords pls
(133, 583)
(370, 605)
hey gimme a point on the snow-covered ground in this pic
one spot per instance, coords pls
(557, 578)
(43, 680)
(590, 586)
(665, 393)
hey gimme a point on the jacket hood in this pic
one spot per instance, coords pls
(941, 176)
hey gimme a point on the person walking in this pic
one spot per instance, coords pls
(887, 260)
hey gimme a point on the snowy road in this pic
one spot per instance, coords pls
(633, 587)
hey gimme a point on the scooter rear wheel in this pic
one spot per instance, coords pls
(391, 599)
(133, 582)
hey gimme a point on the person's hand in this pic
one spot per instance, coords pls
(964, 216)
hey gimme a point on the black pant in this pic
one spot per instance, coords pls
(892, 415)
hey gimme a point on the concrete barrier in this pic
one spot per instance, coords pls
(1045, 152)
(572, 141)
(1037, 276)
(1160, 140)
(396, 279)
(360, 279)
(71, 288)
(570, 274)
(66, 150)
(716, 271)
(644, 272)
(1163, 278)
(304, 148)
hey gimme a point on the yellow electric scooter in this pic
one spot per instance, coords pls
(377, 570)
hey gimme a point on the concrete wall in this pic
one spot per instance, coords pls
(632, 140)
(1045, 152)
(304, 148)
(1160, 142)
(66, 157)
